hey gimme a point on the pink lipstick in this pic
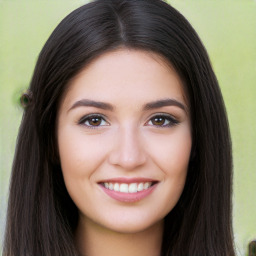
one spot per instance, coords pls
(128, 190)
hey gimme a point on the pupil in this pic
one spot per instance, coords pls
(159, 121)
(95, 121)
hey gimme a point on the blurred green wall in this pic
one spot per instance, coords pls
(228, 30)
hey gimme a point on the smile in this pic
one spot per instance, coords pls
(127, 188)
(128, 191)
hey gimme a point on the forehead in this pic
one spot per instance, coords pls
(126, 74)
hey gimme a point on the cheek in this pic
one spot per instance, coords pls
(79, 159)
(172, 153)
(172, 156)
(80, 155)
(176, 161)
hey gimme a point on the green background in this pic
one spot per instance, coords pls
(228, 30)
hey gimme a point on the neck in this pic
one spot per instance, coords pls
(94, 240)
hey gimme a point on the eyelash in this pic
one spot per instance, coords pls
(168, 120)
(89, 118)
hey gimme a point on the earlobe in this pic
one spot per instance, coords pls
(26, 99)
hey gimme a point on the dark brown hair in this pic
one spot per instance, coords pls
(41, 216)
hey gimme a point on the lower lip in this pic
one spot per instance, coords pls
(129, 197)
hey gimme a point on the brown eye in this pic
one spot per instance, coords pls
(93, 121)
(158, 120)
(162, 121)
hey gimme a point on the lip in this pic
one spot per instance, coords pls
(128, 180)
(128, 197)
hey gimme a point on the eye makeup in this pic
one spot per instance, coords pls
(162, 120)
(93, 121)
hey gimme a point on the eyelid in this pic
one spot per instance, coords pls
(172, 120)
(95, 115)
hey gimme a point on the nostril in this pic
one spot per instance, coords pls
(127, 158)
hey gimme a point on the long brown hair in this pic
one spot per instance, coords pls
(41, 216)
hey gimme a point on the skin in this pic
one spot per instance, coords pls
(127, 140)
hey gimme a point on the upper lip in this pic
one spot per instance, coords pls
(128, 180)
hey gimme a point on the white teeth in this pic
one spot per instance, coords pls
(133, 188)
(110, 186)
(127, 188)
(124, 188)
(140, 187)
(116, 187)
(146, 185)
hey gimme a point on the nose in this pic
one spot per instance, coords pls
(128, 150)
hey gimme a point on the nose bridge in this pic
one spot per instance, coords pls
(128, 150)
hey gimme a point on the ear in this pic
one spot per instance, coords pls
(26, 99)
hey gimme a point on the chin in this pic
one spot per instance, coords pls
(132, 226)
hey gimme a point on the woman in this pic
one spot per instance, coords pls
(124, 147)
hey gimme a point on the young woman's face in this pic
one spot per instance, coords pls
(124, 139)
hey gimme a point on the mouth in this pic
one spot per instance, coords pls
(128, 187)
(128, 191)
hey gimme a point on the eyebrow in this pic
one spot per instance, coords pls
(92, 103)
(164, 103)
(149, 106)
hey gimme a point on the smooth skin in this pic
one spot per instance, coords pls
(124, 116)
